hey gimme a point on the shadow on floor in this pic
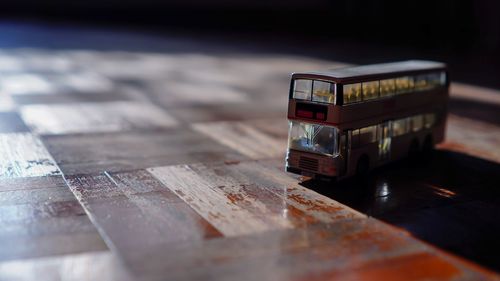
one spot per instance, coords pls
(450, 200)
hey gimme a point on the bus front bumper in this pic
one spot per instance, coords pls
(310, 164)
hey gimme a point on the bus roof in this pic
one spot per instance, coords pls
(374, 70)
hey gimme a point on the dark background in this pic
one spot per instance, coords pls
(465, 34)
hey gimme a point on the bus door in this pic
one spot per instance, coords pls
(384, 145)
(343, 153)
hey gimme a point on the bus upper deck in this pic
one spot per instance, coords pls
(352, 94)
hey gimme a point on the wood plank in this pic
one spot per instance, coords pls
(238, 198)
(10, 122)
(25, 83)
(6, 102)
(271, 175)
(235, 112)
(95, 117)
(175, 93)
(219, 209)
(87, 266)
(24, 155)
(473, 138)
(41, 217)
(134, 211)
(297, 254)
(474, 93)
(113, 152)
(27, 184)
(246, 138)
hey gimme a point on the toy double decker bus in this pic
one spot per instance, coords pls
(347, 121)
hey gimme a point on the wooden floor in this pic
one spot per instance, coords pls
(168, 164)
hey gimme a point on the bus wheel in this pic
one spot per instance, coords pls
(363, 166)
(414, 148)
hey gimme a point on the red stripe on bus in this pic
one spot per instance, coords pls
(305, 113)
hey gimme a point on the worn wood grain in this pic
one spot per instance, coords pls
(135, 211)
(298, 254)
(24, 155)
(41, 217)
(227, 196)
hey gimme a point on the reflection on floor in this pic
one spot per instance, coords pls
(449, 200)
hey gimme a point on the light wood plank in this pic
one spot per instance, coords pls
(88, 266)
(95, 117)
(245, 138)
(216, 208)
(228, 197)
(24, 155)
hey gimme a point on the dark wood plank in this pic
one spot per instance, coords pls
(41, 217)
(94, 153)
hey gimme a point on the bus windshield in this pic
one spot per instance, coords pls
(313, 138)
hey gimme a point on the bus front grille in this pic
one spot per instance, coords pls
(308, 163)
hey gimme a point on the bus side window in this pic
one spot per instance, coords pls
(367, 135)
(399, 127)
(323, 92)
(420, 82)
(370, 90)
(404, 84)
(354, 138)
(429, 120)
(434, 79)
(417, 122)
(387, 87)
(352, 93)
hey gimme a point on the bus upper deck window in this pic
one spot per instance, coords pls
(387, 87)
(323, 92)
(302, 89)
(434, 79)
(422, 82)
(404, 84)
(370, 90)
(352, 93)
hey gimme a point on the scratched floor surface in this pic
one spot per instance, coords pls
(166, 163)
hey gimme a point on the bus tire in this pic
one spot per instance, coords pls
(363, 166)
(414, 148)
